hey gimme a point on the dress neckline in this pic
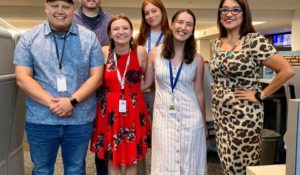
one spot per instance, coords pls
(232, 50)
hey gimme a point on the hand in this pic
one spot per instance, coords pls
(61, 107)
(245, 94)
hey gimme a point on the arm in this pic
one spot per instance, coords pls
(62, 106)
(149, 75)
(283, 70)
(90, 85)
(142, 57)
(30, 86)
(93, 82)
(199, 89)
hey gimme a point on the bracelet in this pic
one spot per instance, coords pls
(257, 95)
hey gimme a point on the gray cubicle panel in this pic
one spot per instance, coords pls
(7, 96)
(292, 138)
(292, 86)
(6, 53)
(7, 102)
(208, 94)
(15, 152)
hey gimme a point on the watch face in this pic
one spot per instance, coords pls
(73, 101)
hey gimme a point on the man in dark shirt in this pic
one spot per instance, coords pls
(91, 16)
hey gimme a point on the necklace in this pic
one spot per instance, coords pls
(229, 54)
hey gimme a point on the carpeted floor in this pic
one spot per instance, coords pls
(213, 163)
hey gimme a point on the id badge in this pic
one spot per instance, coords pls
(172, 109)
(61, 83)
(122, 106)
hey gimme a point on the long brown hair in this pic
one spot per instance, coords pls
(145, 28)
(189, 51)
(132, 44)
(246, 26)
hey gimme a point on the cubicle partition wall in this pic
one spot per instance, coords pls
(292, 87)
(12, 111)
(293, 138)
(7, 94)
(15, 152)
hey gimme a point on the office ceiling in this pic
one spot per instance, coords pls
(277, 14)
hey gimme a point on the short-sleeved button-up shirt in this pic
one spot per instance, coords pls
(80, 52)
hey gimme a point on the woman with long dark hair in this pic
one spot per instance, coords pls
(238, 56)
(178, 137)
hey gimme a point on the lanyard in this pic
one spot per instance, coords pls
(157, 42)
(173, 84)
(63, 50)
(122, 80)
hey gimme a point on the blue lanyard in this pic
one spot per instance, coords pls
(157, 42)
(173, 84)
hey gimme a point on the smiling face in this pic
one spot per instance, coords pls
(90, 4)
(60, 15)
(120, 31)
(183, 26)
(231, 15)
(153, 15)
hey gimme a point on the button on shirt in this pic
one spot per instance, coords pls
(36, 49)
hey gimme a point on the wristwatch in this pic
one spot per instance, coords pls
(73, 101)
(257, 95)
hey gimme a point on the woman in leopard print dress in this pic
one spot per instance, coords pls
(238, 55)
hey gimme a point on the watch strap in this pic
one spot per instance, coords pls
(257, 95)
(73, 101)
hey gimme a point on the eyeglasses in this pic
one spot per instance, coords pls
(234, 11)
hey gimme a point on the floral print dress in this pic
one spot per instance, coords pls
(121, 137)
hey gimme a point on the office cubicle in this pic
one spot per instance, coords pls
(12, 111)
(293, 138)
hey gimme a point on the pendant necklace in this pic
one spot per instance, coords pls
(229, 54)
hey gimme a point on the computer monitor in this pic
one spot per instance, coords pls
(282, 40)
(268, 73)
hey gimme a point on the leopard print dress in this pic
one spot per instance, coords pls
(238, 123)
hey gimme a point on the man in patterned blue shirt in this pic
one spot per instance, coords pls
(59, 65)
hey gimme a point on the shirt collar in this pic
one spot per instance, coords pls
(100, 11)
(73, 29)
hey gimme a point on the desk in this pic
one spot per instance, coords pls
(266, 170)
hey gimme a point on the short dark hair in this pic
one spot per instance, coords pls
(246, 26)
(69, 1)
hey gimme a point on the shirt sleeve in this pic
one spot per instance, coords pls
(96, 55)
(22, 54)
(261, 48)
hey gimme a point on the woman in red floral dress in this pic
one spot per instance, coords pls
(122, 129)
